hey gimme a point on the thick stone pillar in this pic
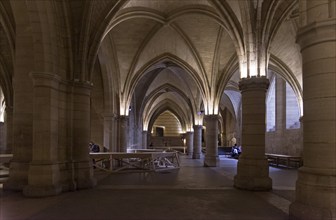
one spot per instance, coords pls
(44, 175)
(211, 133)
(190, 143)
(144, 139)
(252, 170)
(81, 135)
(123, 133)
(22, 100)
(316, 184)
(197, 142)
(9, 128)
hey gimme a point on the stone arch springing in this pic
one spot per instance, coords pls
(283, 70)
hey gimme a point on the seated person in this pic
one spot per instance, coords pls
(235, 151)
(94, 147)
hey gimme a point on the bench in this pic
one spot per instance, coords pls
(284, 160)
(227, 151)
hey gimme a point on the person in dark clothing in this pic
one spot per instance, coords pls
(235, 151)
(95, 149)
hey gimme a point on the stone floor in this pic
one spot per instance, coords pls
(192, 192)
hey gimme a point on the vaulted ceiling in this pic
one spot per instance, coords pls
(154, 53)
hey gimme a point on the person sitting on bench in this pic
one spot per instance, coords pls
(235, 151)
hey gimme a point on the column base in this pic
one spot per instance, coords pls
(253, 183)
(18, 176)
(43, 180)
(315, 195)
(211, 161)
(300, 211)
(41, 191)
(196, 156)
(252, 174)
(84, 175)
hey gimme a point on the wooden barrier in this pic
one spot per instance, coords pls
(4, 169)
(172, 148)
(5, 158)
(136, 162)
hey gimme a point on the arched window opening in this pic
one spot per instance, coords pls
(283, 110)
(2, 106)
(292, 109)
(270, 106)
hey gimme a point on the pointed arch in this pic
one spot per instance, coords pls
(166, 57)
(145, 111)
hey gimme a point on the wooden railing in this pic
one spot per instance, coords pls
(145, 161)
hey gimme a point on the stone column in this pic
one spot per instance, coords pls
(9, 129)
(22, 130)
(110, 132)
(44, 175)
(280, 106)
(211, 132)
(223, 139)
(22, 100)
(252, 170)
(197, 141)
(81, 135)
(316, 184)
(123, 133)
(190, 143)
(144, 139)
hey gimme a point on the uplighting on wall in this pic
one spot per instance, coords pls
(123, 109)
(243, 70)
(198, 120)
(252, 68)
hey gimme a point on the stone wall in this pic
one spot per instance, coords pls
(172, 127)
(166, 141)
(288, 142)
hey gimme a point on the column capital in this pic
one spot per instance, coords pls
(9, 109)
(211, 117)
(109, 115)
(253, 83)
(82, 84)
(316, 33)
(45, 79)
(197, 127)
(122, 117)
